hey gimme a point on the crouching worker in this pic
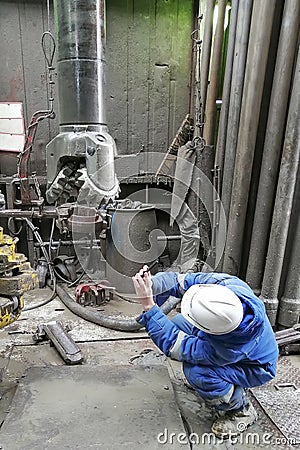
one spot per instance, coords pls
(223, 339)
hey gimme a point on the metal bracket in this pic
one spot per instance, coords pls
(91, 294)
(289, 340)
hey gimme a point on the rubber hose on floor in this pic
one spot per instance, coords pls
(112, 322)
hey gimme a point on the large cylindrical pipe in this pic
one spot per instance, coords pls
(273, 142)
(283, 202)
(206, 50)
(289, 306)
(235, 102)
(80, 27)
(259, 41)
(210, 108)
(220, 148)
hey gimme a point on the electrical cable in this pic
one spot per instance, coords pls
(51, 271)
(61, 277)
(13, 232)
(58, 275)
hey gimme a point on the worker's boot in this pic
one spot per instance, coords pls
(234, 422)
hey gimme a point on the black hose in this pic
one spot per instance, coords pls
(112, 322)
(45, 302)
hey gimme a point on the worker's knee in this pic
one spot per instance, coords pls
(215, 391)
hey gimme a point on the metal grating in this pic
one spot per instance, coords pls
(280, 400)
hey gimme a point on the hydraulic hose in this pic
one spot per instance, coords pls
(52, 283)
(112, 322)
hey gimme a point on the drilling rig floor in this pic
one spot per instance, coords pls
(111, 356)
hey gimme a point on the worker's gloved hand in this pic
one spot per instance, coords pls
(143, 288)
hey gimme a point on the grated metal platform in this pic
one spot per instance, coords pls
(280, 400)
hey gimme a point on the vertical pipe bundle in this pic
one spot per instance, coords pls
(273, 142)
(283, 202)
(235, 102)
(259, 41)
(289, 306)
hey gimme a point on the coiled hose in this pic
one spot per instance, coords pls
(112, 322)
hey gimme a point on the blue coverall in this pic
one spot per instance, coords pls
(219, 367)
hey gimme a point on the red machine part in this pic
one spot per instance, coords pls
(92, 294)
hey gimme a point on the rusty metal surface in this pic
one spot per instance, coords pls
(17, 284)
(280, 400)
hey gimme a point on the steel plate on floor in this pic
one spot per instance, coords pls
(92, 407)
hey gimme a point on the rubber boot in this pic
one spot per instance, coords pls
(234, 422)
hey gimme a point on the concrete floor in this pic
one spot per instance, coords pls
(104, 347)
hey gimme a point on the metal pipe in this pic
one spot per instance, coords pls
(284, 201)
(210, 108)
(235, 102)
(273, 142)
(220, 148)
(80, 61)
(259, 41)
(67, 243)
(175, 237)
(20, 214)
(289, 305)
(206, 50)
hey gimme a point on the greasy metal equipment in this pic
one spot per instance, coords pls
(16, 277)
(62, 341)
(80, 159)
(93, 294)
(289, 340)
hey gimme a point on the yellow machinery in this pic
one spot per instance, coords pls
(16, 277)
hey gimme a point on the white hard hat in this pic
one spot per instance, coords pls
(212, 308)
